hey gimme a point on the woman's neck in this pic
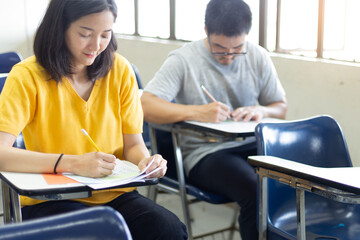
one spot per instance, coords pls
(81, 84)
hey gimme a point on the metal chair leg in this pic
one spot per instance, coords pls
(234, 221)
(152, 193)
(16, 206)
(6, 202)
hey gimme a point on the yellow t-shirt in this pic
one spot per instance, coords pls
(51, 115)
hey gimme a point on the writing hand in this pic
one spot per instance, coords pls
(213, 112)
(95, 164)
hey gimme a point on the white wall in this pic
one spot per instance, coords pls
(313, 87)
(18, 22)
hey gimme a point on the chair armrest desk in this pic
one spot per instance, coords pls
(322, 181)
(33, 185)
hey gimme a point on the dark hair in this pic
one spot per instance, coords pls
(49, 45)
(228, 17)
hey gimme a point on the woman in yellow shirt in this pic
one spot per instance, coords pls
(74, 81)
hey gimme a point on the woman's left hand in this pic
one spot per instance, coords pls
(159, 162)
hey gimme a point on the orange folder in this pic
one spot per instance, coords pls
(57, 179)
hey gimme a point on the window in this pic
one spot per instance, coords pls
(125, 22)
(298, 27)
(154, 18)
(341, 38)
(190, 21)
(322, 28)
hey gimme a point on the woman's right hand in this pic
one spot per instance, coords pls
(94, 164)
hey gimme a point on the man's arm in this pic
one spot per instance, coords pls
(159, 111)
(257, 113)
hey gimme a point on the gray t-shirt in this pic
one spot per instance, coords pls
(250, 80)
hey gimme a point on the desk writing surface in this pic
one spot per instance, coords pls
(231, 126)
(33, 181)
(344, 178)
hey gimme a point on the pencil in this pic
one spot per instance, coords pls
(207, 93)
(210, 96)
(91, 141)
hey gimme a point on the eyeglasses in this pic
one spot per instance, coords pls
(243, 51)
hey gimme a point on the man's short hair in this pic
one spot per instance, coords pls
(228, 17)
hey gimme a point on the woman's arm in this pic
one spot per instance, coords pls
(12, 159)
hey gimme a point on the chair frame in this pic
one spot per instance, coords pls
(182, 189)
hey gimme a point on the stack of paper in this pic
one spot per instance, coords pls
(124, 172)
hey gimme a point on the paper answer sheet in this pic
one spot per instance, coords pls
(124, 172)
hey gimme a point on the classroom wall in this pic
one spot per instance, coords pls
(313, 86)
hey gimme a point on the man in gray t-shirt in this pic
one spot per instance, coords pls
(242, 79)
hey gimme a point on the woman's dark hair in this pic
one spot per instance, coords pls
(228, 17)
(49, 45)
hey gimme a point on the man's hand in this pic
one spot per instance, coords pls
(246, 114)
(213, 112)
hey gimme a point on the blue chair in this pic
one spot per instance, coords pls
(145, 133)
(175, 182)
(2, 82)
(319, 142)
(19, 142)
(8, 60)
(93, 223)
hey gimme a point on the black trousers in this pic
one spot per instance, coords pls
(145, 219)
(227, 172)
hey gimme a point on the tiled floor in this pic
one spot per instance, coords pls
(206, 216)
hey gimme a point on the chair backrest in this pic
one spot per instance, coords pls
(92, 223)
(318, 138)
(316, 141)
(8, 60)
(145, 133)
(2, 82)
(165, 147)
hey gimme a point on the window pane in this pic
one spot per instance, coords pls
(341, 38)
(254, 31)
(190, 21)
(125, 22)
(298, 32)
(154, 18)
